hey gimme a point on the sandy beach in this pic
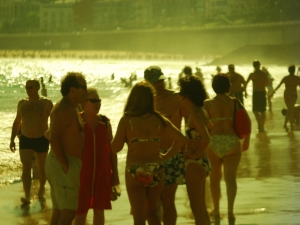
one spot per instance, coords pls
(268, 185)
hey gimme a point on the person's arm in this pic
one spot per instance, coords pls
(199, 119)
(245, 86)
(118, 141)
(15, 128)
(179, 140)
(278, 86)
(58, 127)
(113, 157)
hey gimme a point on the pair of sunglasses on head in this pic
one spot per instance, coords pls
(94, 100)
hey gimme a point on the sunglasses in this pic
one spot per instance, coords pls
(94, 100)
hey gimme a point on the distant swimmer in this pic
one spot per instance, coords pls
(290, 95)
(44, 90)
(170, 86)
(50, 79)
(259, 102)
(237, 83)
(112, 76)
(218, 69)
(42, 80)
(269, 87)
(199, 74)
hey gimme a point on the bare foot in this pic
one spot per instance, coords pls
(215, 214)
(285, 127)
(231, 215)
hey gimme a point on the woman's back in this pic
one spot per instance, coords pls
(143, 138)
(221, 112)
(291, 82)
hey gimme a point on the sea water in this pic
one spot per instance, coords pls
(15, 72)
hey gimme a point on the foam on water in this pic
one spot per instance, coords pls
(15, 72)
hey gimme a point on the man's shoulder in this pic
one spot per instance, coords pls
(43, 98)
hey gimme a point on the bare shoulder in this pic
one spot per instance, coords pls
(45, 99)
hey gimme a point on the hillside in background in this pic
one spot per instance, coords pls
(284, 54)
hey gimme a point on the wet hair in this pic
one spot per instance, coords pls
(187, 70)
(71, 79)
(141, 101)
(91, 90)
(292, 69)
(193, 89)
(221, 83)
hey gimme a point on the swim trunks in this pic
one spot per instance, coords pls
(259, 101)
(64, 187)
(174, 168)
(40, 144)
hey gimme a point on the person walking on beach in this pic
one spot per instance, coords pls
(168, 104)
(237, 83)
(66, 137)
(98, 174)
(192, 95)
(269, 87)
(142, 128)
(259, 101)
(225, 148)
(290, 95)
(32, 118)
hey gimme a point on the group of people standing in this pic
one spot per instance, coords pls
(81, 166)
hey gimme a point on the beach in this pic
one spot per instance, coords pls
(268, 185)
(268, 175)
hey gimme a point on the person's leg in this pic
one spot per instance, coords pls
(41, 160)
(290, 112)
(168, 203)
(55, 217)
(258, 120)
(231, 164)
(137, 198)
(98, 217)
(80, 219)
(215, 180)
(153, 198)
(66, 217)
(263, 120)
(26, 160)
(195, 183)
(270, 103)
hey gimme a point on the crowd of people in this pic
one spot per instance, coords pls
(82, 165)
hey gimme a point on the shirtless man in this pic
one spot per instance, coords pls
(291, 82)
(237, 83)
(259, 101)
(66, 137)
(167, 102)
(32, 117)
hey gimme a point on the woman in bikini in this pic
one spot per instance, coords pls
(192, 95)
(225, 148)
(141, 128)
(291, 82)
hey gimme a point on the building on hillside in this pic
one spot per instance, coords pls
(11, 11)
(57, 16)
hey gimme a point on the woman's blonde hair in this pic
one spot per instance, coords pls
(141, 101)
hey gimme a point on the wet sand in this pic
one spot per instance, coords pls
(268, 185)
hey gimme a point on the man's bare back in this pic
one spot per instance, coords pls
(259, 80)
(168, 105)
(237, 82)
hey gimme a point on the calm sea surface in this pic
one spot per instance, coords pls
(15, 72)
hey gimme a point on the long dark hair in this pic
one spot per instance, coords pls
(141, 101)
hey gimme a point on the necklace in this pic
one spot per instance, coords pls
(146, 116)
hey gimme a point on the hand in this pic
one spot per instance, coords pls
(162, 157)
(245, 145)
(188, 153)
(66, 169)
(12, 146)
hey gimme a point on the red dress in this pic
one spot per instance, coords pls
(95, 176)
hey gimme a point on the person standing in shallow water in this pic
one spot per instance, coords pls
(225, 148)
(168, 104)
(99, 172)
(32, 117)
(66, 137)
(237, 83)
(290, 95)
(142, 129)
(259, 100)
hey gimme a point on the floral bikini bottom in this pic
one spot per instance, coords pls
(149, 174)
